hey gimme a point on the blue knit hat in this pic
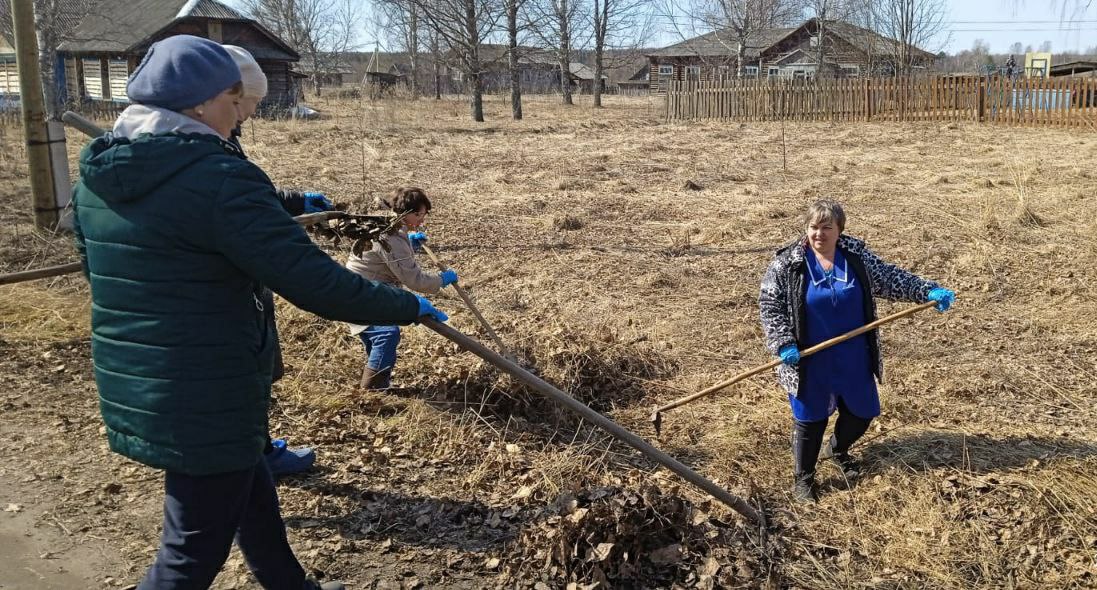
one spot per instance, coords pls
(181, 72)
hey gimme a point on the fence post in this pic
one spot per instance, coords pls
(982, 99)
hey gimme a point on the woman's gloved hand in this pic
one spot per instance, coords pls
(317, 202)
(425, 308)
(943, 297)
(790, 355)
(449, 277)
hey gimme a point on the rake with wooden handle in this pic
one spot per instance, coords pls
(657, 415)
(472, 307)
(537, 384)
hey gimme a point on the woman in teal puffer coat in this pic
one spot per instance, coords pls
(180, 235)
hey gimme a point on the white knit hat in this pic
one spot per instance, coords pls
(251, 75)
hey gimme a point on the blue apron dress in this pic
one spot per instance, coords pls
(834, 305)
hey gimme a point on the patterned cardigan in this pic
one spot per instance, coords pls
(783, 290)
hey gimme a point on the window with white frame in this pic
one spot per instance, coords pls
(750, 71)
(118, 73)
(93, 78)
(773, 71)
(693, 72)
(665, 70)
(9, 77)
(850, 70)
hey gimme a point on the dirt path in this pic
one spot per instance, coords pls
(38, 553)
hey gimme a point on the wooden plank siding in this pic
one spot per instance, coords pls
(1054, 102)
(103, 77)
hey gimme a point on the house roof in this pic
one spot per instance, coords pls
(868, 41)
(121, 26)
(582, 71)
(1076, 67)
(329, 64)
(67, 14)
(723, 43)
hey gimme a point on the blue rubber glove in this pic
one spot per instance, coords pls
(790, 355)
(417, 238)
(425, 308)
(317, 202)
(943, 297)
(449, 277)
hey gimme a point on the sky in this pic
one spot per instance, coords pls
(1030, 22)
(998, 22)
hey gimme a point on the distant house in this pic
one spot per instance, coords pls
(327, 71)
(792, 53)
(107, 44)
(631, 77)
(1075, 69)
(582, 77)
(538, 70)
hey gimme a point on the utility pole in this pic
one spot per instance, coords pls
(46, 209)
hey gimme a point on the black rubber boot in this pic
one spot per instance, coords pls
(848, 429)
(807, 439)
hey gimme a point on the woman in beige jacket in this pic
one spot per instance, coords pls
(395, 265)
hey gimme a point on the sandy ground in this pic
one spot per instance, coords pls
(576, 232)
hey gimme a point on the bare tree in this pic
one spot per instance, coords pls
(462, 26)
(400, 19)
(555, 23)
(614, 22)
(733, 23)
(322, 31)
(513, 8)
(912, 26)
(436, 61)
(824, 11)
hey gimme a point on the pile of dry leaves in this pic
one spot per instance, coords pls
(609, 537)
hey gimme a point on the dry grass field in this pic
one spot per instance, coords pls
(576, 233)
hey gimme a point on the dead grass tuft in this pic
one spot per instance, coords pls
(33, 311)
(567, 222)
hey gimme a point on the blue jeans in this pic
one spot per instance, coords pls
(381, 343)
(202, 515)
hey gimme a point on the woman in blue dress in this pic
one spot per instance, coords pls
(820, 286)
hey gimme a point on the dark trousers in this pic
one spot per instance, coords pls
(807, 439)
(202, 515)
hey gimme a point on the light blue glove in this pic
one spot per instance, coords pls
(417, 238)
(425, 308)
(449, 277)
(317, 202)
(790, 355)
(943, 297)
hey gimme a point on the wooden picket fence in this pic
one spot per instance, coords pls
(1056, 102)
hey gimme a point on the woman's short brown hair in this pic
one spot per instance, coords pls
(408, 199)
(826, 210)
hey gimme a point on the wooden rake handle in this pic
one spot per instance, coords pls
(472, 306)
(804, 353)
